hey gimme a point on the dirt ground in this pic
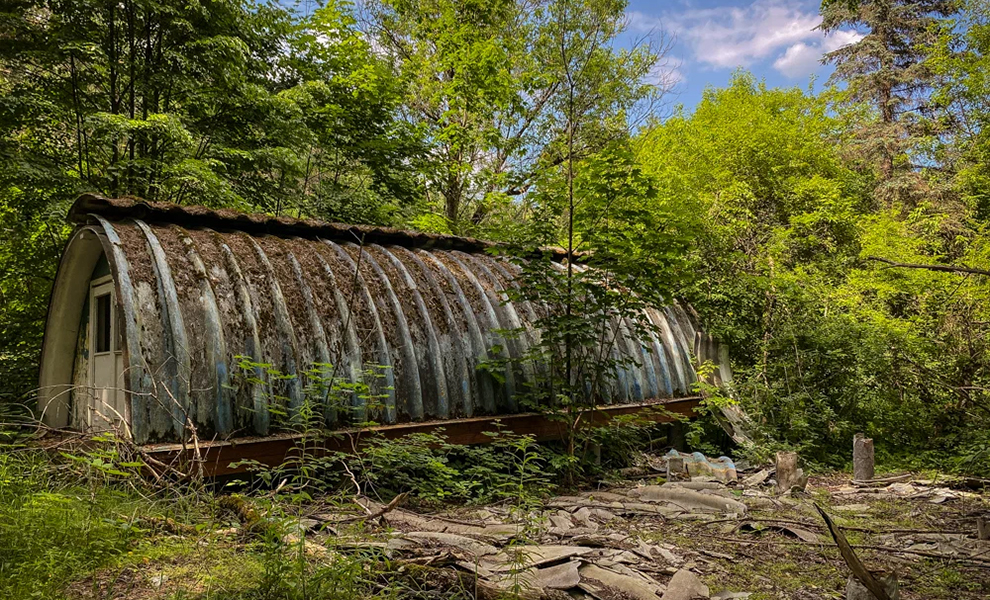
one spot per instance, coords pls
(639, 539)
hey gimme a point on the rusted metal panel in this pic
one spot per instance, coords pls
(199, 289)
(220, 458)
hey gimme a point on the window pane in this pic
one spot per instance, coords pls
(103, 323)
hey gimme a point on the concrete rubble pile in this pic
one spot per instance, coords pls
(582, 546)
(607, 545)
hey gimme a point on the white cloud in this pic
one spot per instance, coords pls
(838, 39)
(642, 22)
(729, 37)
(798, 60)
(801, 59)
(732, 36)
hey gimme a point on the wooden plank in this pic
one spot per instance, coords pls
(218, 456)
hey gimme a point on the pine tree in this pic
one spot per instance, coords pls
(887, 70)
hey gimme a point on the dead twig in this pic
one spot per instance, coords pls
(942, 268)
(819, 526)
(371, 515)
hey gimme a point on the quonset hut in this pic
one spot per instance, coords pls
(156, 306)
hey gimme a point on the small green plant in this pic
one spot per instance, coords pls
(706, 425)
(328, 400)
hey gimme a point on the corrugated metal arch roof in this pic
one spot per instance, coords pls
(198, 288)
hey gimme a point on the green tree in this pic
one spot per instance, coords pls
(887, 73)
(826, 341)
(960, 57)
(226, 103)
(484, 83)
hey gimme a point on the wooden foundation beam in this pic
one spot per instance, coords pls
(219, 457)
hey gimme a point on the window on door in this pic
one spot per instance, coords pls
(103, 324)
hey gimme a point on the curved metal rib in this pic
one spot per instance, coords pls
(474, 332)
(684, 347)
(384, 349)
(319, 337)
(434, 356)
(351, 352)
(521, 339)
(414, 406)
(260, 417)
(177, 366)
(494, 325)
(216, 349)
(641, 354)
(283, 326)
(459, 379)
(138, 373)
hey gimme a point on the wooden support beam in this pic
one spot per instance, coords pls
(218, 456)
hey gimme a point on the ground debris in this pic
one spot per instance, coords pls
(677, 541)
(685, 585)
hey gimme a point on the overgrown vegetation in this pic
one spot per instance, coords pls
(91, 511)
(784, 217)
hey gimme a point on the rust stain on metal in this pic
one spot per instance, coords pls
(222, 457)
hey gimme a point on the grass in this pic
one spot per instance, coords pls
(51, 531)
(86, 526)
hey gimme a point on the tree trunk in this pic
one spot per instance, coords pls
(863, 467)
(788, 473)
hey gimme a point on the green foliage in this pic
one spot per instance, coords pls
(962, 99)
(52, 528)
(484, 83)
(826, 343)
(229, 103)
(886, 78)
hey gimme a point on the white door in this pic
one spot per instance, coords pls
(106, 364)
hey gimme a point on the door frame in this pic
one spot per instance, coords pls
(99, 287)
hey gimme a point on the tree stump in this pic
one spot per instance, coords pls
(982, 528)
(863, 466)
(788, 473)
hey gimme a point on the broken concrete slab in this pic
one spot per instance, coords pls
(689, 500)
(560, 523)
(527, 556)
(583, 517)
(412, 522)
(453, 540)
(557, 577)
(633, 587)
(757, 478)
(685, 585)
(696, 485)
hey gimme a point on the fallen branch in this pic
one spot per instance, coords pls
(818, 526)
(978, 562)
(852, 561)
(882, 481)
(395, 502)
(942, 268)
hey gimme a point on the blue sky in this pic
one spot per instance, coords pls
(777, 40)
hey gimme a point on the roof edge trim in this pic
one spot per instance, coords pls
(199, 217)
